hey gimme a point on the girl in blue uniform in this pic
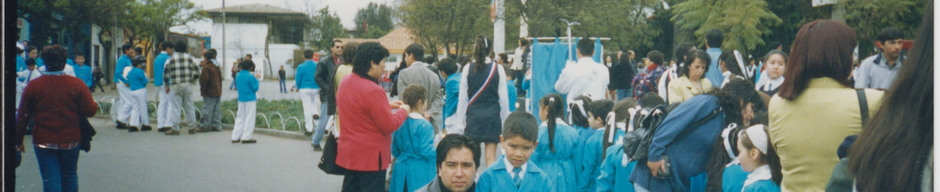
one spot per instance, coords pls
(725, 172)
(413, 145)
(759, 158)
(579, 109)
(592, 148)
(557, 142)
(615, 168)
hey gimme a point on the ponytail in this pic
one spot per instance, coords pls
(553, 107)
(481, 50)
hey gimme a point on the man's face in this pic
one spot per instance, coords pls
(31, 67)
(458, 169)
(337, 48)
(409, 58)
(130, 53)
(518, 150)
(632, 55)
(892, 48)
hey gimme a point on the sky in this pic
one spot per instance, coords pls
(346, 9)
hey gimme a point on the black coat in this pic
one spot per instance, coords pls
(326, 69)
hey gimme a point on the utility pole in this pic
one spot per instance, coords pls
(499, 29)
(224, 59)
(569, 24)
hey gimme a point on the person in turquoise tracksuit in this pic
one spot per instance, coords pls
(513, 171)
(413, 145)
(557, 144)
(591, 151)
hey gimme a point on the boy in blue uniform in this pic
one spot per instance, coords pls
(137, 83)
(413, 145)
(513, 172)
(448, 70)
(555, 154)
(82, 71)
(511, 90)
(592, 150)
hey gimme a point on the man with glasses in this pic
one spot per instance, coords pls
(325, 70)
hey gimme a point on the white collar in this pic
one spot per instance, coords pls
(760, 173)
(558, 121)
(509, 168)
(416, 116)
(163, 52)
(772, 84)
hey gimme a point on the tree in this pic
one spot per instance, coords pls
(48, 17)
(326, 27)
(374, 16)
(149, 20)
(742, 21)
(869, 17)
(448, 24)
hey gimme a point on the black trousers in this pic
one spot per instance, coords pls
(356, 181)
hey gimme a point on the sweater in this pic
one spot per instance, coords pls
(368, 123)
(247, 86)
(158, 64)
(210, 83)
(137, 79)
(304, 78)
(122, 62)
(55, 104)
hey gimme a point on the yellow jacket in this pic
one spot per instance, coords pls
(681, 89)
(807, 131)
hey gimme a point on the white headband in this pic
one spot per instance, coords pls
(737, 56)
(725, 136)
(758, 137)
(580, 104)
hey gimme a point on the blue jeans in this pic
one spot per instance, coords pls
(59, 168)
(624, 93)
(283, 86)
(321, 124)
(233, 84)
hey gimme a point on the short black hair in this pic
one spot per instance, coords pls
(416, 50)
(79, 54)
(333, 43)
(457, 141)
(650, 100)
(888, 34)
(585, 46)
(366, 54)
(601, 108)
(714, 38)
(246, 64)
(210, 54)
(181, 46)
(54, 57)
(140, 51)
(308, 54)
(696, 54)
(682, 50)
(137, 61)
(125, 47)
(163, 45)
(521, 124)
(655, 57)
(447, 65)
(30, 48)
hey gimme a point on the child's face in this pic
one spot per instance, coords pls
(747, 113)
(517, 149)
(594, 121)
(543, 112)
(420, 106)
(79, 59)
(748, 158)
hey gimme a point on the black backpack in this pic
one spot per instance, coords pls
(636, 143)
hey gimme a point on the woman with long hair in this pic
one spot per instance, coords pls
(483, 101)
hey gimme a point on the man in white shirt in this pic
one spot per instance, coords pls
(585, 76)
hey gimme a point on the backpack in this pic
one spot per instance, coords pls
(636, 143)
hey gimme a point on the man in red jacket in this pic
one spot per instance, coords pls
(366, 135)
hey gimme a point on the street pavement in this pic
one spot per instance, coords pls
(151, 161)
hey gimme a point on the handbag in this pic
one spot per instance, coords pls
(328, 160)
(87, 132)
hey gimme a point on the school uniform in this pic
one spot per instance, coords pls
(511, 93)
(770, 86)
(615, 170)
(24, 77)
(451, 90)
(480, 115)
(138, 97)
(760, 181)
(309, 92)
(124, 111)
(560, 163)
(499, 177)
(589, 158)
(20, 63)
(415, 155)
(83, 72)
(162, 97)
(245, 118)
(732, 178)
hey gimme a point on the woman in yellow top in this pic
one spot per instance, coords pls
(816, 107)
(691, 82)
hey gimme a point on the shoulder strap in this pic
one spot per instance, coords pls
(862, 105)
(487, 82)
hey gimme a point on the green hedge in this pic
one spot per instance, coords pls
(287, 108)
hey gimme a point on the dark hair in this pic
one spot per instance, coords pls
(30, 61)
(125, 47)
(137, 61)
(897, 140)
(248, 55)
(366, 54)
(504, 57)
(553, 105)
(714, 38)
(457, 141)
(682, 50)
(333, 43)
(210, 54)
(888, 34)
(79, 54)
(163, 45)
(482, 48)
(54, 57)
(621, 113)
(695, 54)
(601, 108)
(523, 41)
(447, 65)
(650, 100)
(415, 50)
(731, 63)
(414, 94)
(734, 96)
(30, 49)
(246, 64)
(349, 52)
(181, 46)
(771, 157)
(521, 124)
(822, 48)
(577, 118)
(655, 57)
(773, 52)
(140, 51)
(774, 45)
(715, 167)
(586, 46)
(308, 54)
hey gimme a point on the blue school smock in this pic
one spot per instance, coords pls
(513, 96)
(497, 179)
(84, 73)
(762, 186)
(559, 164)
(415, 155)
(732, 178)
(451, 91)
(137, 79)
(583, 135)
(158, 64)
(247, 86)
(590, 158)
(613, 175)
(20, 63)
(122, 62)
(40, 63)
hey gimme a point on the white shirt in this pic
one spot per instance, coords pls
(583, 77)
(68, 70)
(509, 168)
(769, 85)
(663, 85)
(517, 59)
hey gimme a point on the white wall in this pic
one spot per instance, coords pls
(240, 39)
(280, 54)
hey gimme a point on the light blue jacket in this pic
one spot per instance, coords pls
(513, 96)
(122, 62)
(20, 63)
(762, 186)
(84, 73)
(732, 178)
(137, 79)
(415, 155)
(451, 90)
(304, 78)
(614, 174)
(559, 164)
(714, 68)
(247, 86)
(158, 65)
(497, 179)
(589, 158)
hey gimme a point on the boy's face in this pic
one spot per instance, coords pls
(594, 121)
(517, 149)
(80, 59)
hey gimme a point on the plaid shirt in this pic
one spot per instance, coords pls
(646, 82)
(180, 68)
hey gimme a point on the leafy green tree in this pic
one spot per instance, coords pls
(742, 21)
(48, 17)
(448, 24)
(150, 20)
(373, 17)
(869, 17)
(326, 27)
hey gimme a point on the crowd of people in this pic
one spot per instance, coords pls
(707, 119)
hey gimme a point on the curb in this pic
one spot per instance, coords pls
(271, 132)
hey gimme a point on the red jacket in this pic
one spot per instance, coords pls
(368, 123)
(54, 103)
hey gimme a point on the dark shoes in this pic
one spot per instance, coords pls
(236, 141)
(249, 141)
(171, 132)
(316, 117)
(316, 147)
(132, 129)
(146, 128)
(122, 125)
(163, 129)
